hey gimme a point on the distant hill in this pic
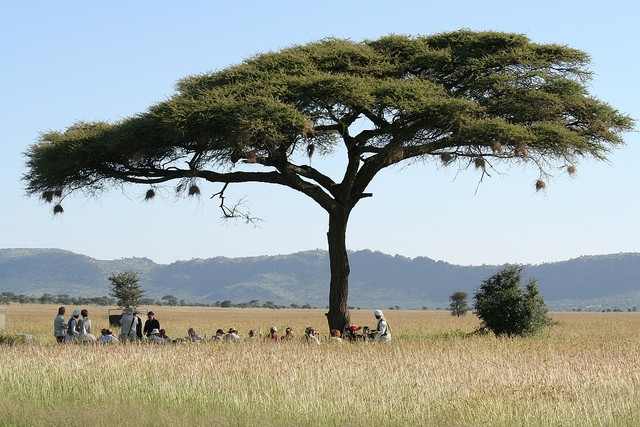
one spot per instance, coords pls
(377, 279)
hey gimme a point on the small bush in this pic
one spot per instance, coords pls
(12, 339)
(505, 308)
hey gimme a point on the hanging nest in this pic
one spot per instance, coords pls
(446, 158)
(396, 155)
(479, 163)
(496, 147)
(310, 149)
(47, 196)
(522, 151)
(571, 170)
(251, 157)
(194, 190)
(308, 129)
(150, 194)
(57, 209)
(540, 185)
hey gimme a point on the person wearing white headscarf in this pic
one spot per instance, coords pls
(383, 330)
(72, 329)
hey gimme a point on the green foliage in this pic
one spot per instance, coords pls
(12, 339)
(125, 288)
(468, 94)
(459, 306)
(505, 308)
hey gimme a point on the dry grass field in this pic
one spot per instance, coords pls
(584, 372)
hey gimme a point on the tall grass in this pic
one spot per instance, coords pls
(583, 372)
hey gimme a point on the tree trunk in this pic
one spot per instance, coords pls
(338, 316)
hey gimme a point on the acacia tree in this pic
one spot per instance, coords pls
(470, 99)
(126, 289)
(458, 306)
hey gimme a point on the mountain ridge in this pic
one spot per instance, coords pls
(590, 282)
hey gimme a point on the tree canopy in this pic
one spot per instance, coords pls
(126, 289)
(464, 98)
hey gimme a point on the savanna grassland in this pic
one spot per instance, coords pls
(585, 371)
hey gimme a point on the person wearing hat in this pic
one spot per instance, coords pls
(383, 330)
(273, 335)
(154, 338)
(150, 324)
(218, 336)
(129, 322)
(351, 333)
(72, 328)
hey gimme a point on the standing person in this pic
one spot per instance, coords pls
(383, 330)
(150, 324)
(138, 326)
(129, 324)
(72, 327)
(60, 326)
(84, 328)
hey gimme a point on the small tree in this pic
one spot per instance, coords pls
(458, 306)
(125, 288)
(507, 309)
(170, 300)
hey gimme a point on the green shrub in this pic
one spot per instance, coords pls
(9, 339)
(505, 308)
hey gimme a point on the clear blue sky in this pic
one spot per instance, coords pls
(63, 61)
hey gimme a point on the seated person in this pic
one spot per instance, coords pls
(108, 337)
(219, 335)
(193, 336)
(153, 337)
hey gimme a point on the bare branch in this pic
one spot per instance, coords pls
(237, 211)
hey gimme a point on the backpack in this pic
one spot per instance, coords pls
(139, 327)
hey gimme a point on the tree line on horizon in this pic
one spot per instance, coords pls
(8, 297)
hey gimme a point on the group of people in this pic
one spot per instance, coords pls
(78, 329)
(132, 329)
(382, 333)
